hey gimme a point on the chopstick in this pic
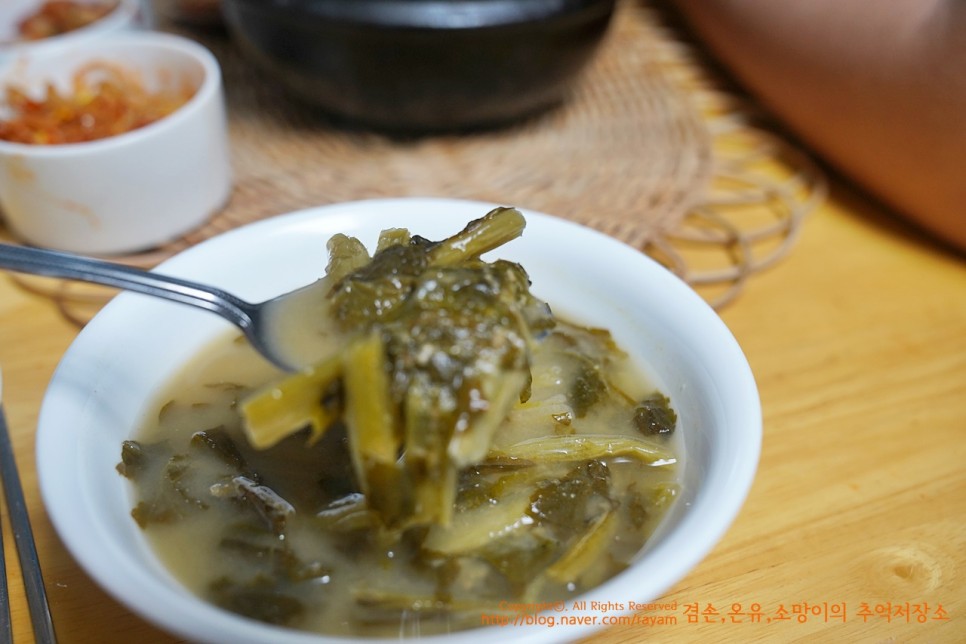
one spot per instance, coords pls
(6, 626)
(23, 538)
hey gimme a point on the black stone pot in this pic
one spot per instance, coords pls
(422, 65)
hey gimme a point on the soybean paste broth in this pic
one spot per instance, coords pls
(331, 572)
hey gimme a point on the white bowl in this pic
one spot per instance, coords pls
(131, 191)
(136, 344)
(126, 16)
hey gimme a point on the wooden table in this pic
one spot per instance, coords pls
(858, 342)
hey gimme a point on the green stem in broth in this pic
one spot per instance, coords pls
(288, 405)
(581, 447)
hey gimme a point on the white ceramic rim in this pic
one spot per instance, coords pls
(698, 529)
(126, 12)
(91, 49)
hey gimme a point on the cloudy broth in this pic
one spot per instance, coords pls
(533, 523)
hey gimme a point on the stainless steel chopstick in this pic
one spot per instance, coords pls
(6, 626)
(23, 537)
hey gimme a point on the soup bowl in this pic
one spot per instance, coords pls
(110, 376)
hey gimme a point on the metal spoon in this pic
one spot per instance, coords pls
(256, 321)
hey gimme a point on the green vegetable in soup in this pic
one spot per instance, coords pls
(312, 398)
(259, 599)
(576, 499)
(437, 352)
(654, 415)
(221, 444)
(174, 497)
(584, 447)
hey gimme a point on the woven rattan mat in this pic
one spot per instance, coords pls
(648, 149)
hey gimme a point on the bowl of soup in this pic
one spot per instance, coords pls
(587, 433)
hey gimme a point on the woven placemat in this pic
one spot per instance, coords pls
(647, 149)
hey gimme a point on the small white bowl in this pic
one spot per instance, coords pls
(135, 345)
(131, 191)
(126, 16)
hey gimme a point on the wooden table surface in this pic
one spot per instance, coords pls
(855, 527)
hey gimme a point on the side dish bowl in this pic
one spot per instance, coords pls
(129, 191)
(113, 370)
(124, 17)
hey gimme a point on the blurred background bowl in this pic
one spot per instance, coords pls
(201, 13)
(133, 190)
(422, 65)
(126, 15)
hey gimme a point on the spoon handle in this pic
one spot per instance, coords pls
(51, 263)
